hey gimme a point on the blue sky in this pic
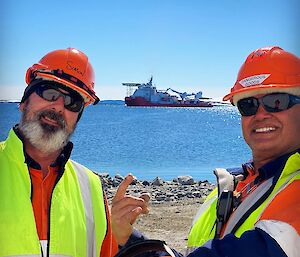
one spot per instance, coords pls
(188, 45)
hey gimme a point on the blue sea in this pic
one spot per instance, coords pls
(150, 142)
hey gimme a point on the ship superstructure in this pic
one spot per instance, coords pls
(146, 94)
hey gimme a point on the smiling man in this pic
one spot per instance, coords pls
(255, 211)
(49, 204)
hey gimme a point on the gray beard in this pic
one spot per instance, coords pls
(45, 142)
(44, 137)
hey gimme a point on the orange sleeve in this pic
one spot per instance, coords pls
(109, 246)
(285, 206)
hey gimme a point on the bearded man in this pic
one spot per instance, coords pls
(50, 205)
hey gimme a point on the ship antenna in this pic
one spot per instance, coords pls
(151, 79)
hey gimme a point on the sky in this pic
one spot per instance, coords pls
(187, 45)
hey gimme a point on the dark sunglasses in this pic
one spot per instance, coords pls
(275, 102)
(60, 74)
(72, 100)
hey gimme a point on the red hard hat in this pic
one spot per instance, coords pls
(267, 70)
(69, 67)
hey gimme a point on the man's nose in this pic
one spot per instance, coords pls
(261, 113)
(58, 104)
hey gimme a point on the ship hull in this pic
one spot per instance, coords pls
(140, 101)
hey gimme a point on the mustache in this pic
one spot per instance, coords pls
(51, 114)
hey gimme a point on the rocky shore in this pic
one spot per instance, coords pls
(173, 205)
(180, 188)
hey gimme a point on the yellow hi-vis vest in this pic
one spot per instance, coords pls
(242, 219)
(77, 222)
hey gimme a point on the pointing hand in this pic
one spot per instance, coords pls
(125, 210)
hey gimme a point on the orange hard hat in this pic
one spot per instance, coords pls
(69, 67)
(266, 70)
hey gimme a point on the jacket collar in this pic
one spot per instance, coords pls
(273, 168)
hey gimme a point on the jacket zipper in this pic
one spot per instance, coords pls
(49, 212)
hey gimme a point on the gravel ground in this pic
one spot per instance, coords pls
(169, 221)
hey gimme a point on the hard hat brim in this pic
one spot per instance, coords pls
(235, 96)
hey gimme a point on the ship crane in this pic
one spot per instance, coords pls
(185, 94)
(182, 95)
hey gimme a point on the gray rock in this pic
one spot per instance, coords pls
(197, 194)
(157, 182)
(186, 180)
(190, 195)
(160, 197)
(104, 175)
(119, 177)
(146, 183)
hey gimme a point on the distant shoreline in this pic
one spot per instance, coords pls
(9, 101)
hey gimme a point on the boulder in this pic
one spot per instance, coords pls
(185, 180)
(157, 182)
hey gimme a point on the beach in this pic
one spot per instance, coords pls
(173, 205)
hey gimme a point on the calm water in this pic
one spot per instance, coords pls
(151, 142)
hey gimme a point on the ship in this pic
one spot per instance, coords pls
(146, 94)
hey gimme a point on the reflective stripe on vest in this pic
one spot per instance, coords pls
(88, 208)
(284, 234)
(247, 204)
(77, 213)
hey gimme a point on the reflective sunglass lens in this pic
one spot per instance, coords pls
(68, 100)
(276, 102)
(75, 106)
(248, 106)
(72, 102)
(50, 94)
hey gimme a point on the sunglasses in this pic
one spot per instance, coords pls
(61, 74)
(275, 102)
(72, 100)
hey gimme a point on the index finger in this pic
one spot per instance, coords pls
(121, 191)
